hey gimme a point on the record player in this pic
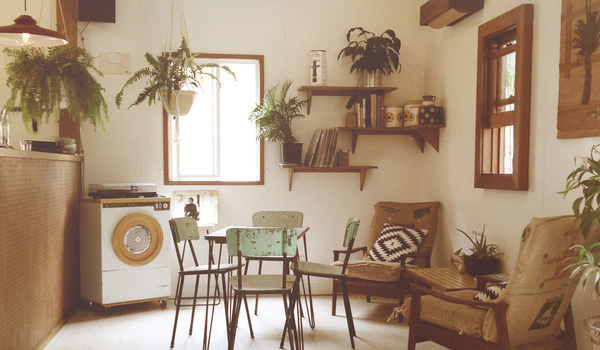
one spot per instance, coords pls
(122, 190)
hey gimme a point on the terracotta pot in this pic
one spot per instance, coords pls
(592, 324)
(481, 266)
(291, 153)
(181, 101)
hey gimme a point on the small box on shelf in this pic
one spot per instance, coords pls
(430, 115)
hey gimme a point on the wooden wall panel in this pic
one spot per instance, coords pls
(39, 247)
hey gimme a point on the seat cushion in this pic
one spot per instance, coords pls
(455, 317)
(396, 241)
(379, 271)
(319, 270)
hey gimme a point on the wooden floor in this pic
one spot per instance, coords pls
(148, 326)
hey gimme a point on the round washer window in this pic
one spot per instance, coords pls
(137, 239)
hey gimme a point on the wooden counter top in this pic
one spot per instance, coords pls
(17, 153)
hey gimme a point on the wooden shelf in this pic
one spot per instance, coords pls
(362, 169)
(421, 133)
(342, 91)
(440, 13)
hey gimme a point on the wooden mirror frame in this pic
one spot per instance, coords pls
(520, 20)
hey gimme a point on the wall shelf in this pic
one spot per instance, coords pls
(421, 133)
(362, 169)
(342, 91)
(440, 13)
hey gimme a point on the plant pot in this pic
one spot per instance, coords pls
(373, 79)
(592, 324)
(481, 266)
(291, 153)
(181, 101)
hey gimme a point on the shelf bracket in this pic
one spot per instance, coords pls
(290, 178)
(432, 136)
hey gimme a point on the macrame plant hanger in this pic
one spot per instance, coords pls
(169, 49)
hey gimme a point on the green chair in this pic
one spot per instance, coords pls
(185, 230)
(272, 219)
(337, 273)
(264, 242)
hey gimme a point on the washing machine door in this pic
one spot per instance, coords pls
(137, 239)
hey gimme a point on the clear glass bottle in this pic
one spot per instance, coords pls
(4, 128)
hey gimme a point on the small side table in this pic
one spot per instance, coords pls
(445, 279)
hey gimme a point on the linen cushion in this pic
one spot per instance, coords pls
(396, 241)
(379, 271)
(491, 292)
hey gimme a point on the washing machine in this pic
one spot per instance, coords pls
(125, 250)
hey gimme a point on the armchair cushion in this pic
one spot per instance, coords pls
(396, 241)
(491, 292)
(456, 317)
(379, 271)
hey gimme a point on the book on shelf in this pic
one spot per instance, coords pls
(322, 152)
(370, 111)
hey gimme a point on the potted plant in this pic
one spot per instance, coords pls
(39, 80)
(168, 77)
(274, 118)
(585, 260)
(483, 259)
(372, 55)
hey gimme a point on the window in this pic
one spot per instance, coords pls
(503, 101)
(215, 144)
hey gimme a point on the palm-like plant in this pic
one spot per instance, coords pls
(586, 209)
(40, 80)
(170, 73)
(587, 41)
(371, 53)
(275, 115)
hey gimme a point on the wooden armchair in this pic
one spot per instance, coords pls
(527, 313)
(386, 279)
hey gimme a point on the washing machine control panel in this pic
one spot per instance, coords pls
(158, 206)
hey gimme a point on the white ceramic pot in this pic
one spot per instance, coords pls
(181, 101)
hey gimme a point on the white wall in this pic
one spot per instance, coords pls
(440, 62)
(451, 74)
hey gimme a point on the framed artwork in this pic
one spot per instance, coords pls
(198, 205)
(579, 82)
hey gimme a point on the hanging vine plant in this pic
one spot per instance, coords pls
(40, 79)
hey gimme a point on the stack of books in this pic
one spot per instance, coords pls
(371, 111)
(322, 150)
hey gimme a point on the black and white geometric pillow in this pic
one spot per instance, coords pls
(395, 241)
(491, 292)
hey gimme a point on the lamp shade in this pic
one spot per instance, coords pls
(26, 32)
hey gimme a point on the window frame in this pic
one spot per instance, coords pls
(166, 139)
(519, 19)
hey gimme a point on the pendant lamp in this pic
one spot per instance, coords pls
(26, 32)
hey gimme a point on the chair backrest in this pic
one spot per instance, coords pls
(262, 241)
(184, 230)
(277, 219)
(422, 215)
(349, 237)
(539, 291)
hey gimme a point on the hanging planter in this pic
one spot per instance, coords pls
(179, 103)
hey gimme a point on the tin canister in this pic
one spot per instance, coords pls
(411, 112)
(394, 116)
(318, 68)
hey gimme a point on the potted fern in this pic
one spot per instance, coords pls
(372, 55)
(41, 79)
(274, 118)
(169, 78)
(483, 259)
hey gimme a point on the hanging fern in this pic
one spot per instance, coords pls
(173, 72)
(39, 79)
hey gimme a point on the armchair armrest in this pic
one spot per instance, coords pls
(337, 252)
(426, 256)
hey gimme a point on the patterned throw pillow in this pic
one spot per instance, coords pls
(491, 292)
(395, 241)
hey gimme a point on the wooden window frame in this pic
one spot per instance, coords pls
(519, 20)
(166, 120)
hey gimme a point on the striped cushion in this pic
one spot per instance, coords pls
(395, 241)
(491, 292)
